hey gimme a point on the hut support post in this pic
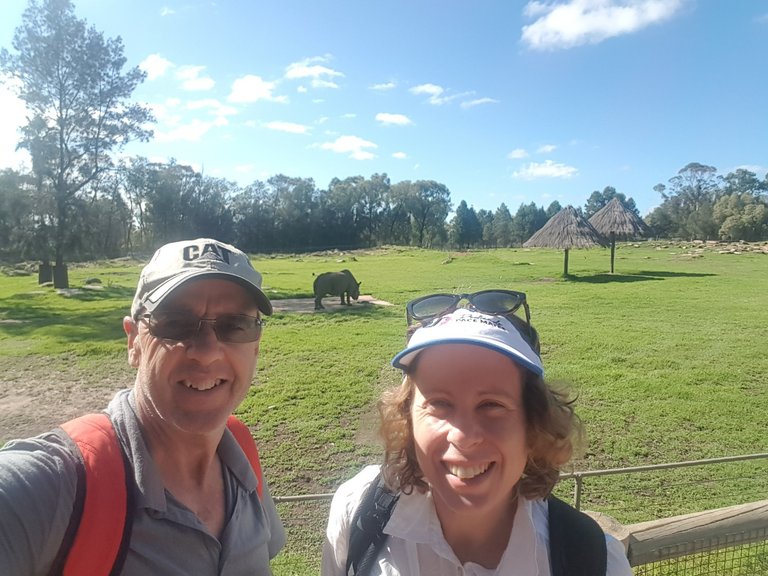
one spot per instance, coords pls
(613, 249)
(565, 263)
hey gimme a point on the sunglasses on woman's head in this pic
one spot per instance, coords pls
(494, 302)
(181, 326)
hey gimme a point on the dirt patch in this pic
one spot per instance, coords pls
(37, 394)
(307, 305)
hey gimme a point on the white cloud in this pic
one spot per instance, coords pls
(397, 119)
(547, 169)
(312, 68)
(436, 93)
(166, 11)
(192, 80)
(301, 89)
(478, 102)
(432, 90)
(155, 66)
(517, 153)
(250, 88)
(546, 149)
(349, 115)
(190, 132)
(399, 155)
(352, 145)
(12, 118)
(577, 22)
(245, 168)
(383, 86)
(216, 108)
(289, 127)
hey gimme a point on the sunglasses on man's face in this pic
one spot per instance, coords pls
(495, 302)
(182, 326)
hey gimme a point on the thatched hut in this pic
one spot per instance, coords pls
(614, 220)
(565, 230)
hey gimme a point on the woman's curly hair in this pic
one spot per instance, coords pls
(552, 432)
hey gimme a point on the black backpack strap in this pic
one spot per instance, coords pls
(367, 528)
(576, 542)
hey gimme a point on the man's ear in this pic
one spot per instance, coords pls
(131, 328)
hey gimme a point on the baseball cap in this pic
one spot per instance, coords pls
(178, 262)
(463, 326)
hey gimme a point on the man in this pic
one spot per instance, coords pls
(193, 336)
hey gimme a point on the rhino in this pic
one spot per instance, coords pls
(336, 284)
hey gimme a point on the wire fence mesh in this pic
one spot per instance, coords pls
(718, 559)
(628, 497)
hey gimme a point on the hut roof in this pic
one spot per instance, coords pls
(617, 218)
(566, 229)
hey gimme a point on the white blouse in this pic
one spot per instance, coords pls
(416, 546)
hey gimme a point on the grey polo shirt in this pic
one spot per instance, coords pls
(37, 490)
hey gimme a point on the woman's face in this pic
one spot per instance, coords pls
(469, 427)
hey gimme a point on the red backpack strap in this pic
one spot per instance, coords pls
(244, 438)
(100, 542)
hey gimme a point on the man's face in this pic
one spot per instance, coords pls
(194, 385)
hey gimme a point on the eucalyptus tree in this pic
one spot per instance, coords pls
(23, 217)
(296, 202)
(77, 95)
(742, 216)
(253, 217)
(689, 202)
(344, 215)
(395, 224)
(428, 203)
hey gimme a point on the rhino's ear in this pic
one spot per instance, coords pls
(359, 283)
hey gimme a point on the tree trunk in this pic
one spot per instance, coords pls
(613, 248)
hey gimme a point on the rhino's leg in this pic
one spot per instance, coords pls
(319, 304)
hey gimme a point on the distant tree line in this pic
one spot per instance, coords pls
(78, 201)
(139, 205)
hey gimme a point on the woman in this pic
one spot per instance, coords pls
(474, 440)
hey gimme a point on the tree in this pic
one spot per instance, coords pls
(742, 217)
(77, 97)
(554, 208)
(502, 226)
(465, 228)
(744, 181)
(485, 218)
(527, 221)
(687, 209)
(429, 203)
(598, 200)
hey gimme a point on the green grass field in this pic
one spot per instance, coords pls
(667, 358)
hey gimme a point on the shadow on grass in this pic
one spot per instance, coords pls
(641, 276)
(44, 316)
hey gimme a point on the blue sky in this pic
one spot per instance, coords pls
(500, 100)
